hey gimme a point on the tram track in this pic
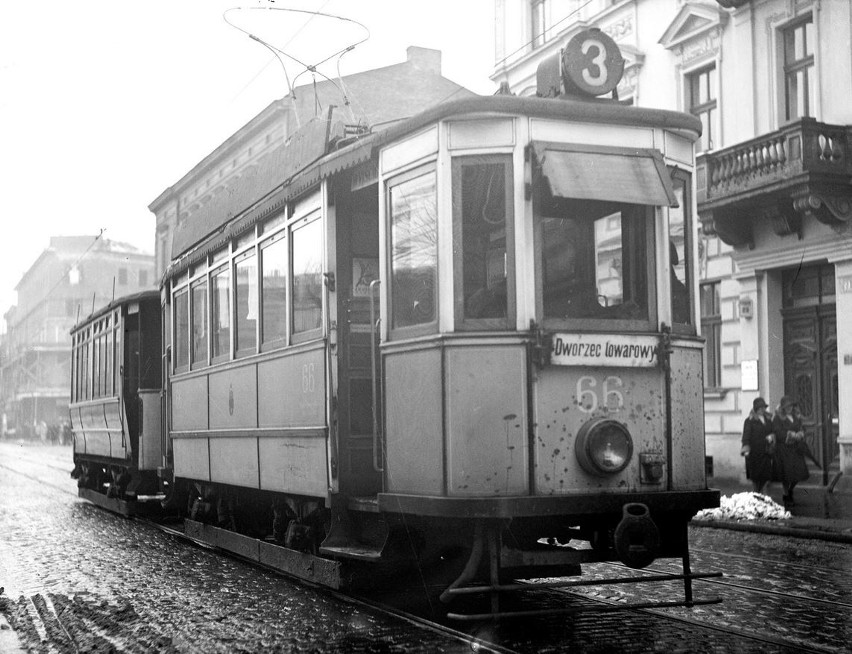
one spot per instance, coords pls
(39, 479)
(787, 642)
(386, 610)
(754, 589)
(702, 627)
(751, 636)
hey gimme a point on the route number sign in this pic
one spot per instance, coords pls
(592, 62)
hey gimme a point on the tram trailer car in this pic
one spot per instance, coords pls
(115, 412)
(474, 331)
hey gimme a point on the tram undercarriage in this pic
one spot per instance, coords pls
(479, 562)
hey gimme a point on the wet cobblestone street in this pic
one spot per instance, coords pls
(75, 573)
(77, 578)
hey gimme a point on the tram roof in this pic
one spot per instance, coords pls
(141, 296)
(308, 160)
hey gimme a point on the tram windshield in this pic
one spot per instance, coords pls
(594, 261)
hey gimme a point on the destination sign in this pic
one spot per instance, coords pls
(617, 350)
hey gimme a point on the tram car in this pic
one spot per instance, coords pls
(115, 410)
(473, 331)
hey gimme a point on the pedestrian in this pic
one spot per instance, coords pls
(758, 445)
(41, 431)
(790, 448)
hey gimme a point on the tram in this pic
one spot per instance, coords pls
(115, 402)
(474, 331)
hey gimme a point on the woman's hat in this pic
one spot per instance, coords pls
(786, 402)
(759, 403)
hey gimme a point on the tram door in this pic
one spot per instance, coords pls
(810, 358)
(358, 264)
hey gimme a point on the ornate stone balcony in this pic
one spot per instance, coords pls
(803, 169)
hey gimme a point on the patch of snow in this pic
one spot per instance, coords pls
(745, 506)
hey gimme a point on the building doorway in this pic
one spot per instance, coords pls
(810, 358)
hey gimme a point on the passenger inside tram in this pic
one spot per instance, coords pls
(593, 262)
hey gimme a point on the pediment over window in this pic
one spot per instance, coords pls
(696, 22)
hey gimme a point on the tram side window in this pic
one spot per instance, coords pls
(73, 367)
(246, 304)
(85, 368)
(307, 277)
(273, 264)
(198, 310)
(594, 261)
(181, 313)
(110, 353)
(114, 358)
(80, 394)
(102, 356)
(414, 251)
(482, 215)
(220, 331)
(102, 364)
(96, 360)
(680, 272)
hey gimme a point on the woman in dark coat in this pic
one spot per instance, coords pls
(758, 445)
(790, 447)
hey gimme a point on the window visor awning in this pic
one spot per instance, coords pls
(634, 176)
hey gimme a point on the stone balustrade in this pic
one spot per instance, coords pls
(804, 146)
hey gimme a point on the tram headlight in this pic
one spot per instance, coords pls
(603, 447)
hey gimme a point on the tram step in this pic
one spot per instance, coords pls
(355, 551)
(358, 536)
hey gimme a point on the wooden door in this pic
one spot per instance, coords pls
(357, 264)
(810, 375)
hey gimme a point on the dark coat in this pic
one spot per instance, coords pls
(759, 460)
(790, 462)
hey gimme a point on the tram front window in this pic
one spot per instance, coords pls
(414, 250)
(594, 263)
(482, 211)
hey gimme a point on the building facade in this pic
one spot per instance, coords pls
(771, 81)
(355, 103)
(74, 276)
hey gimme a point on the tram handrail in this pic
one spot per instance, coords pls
(374, 328)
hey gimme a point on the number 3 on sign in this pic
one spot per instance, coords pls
(595, 62)
(611, 398)
(592, 62)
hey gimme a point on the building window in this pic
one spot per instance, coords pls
(122, 276)
(701, 101)
(538, 22)
(143, 278)
(808, 286)
(799, 78)
(711, 327)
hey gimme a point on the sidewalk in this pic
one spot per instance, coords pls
(816, 513)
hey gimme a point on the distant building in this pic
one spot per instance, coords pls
(73, 276)
(771, 81)
(373, 98)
